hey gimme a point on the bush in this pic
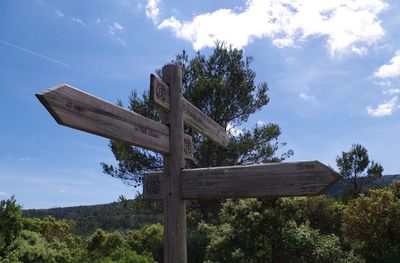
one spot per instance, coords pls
(371, 225)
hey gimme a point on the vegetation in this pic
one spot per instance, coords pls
(296, 229)
(223, 87)
(356, 167)
(109, 217)
(362, 227)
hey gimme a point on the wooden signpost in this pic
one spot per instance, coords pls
(79, 110)
(260, 180)
(192, 116)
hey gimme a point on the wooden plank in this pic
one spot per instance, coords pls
(192, 116)
(159, 93)
(174, 206)
(199, 121)
(79, 110)
(262, 180)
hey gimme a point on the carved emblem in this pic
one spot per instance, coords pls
(160, 92)
(187, 146)
(153, 186)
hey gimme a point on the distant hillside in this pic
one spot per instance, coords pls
(114, 216)
(110, 217)
(335, 189)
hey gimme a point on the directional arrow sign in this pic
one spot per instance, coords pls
(261, 180)
(192, 116)
(77, 109)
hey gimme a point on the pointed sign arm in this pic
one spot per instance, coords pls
(261, 180)
(79, 110)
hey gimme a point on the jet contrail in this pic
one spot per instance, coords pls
(34, 53)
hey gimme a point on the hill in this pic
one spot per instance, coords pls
(116, 215)
(109, 217)
(335, 189)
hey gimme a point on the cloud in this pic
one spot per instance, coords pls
(390, 70)
(3, 194)
(233, 131)
(347, 25)
(383, 83)
(79, 21)
(115, 27)
(306, 97)
(384, 109)
(391, 91)
(26, 158)
(59, 13)
(152, 10)
(121, 41)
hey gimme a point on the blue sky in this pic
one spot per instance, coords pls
(333, 68)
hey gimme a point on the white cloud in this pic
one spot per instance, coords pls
(233, 131)
(3, 194)
(152, 10)
(115, 27)
(59, 13)
(121, 41)
(383, 83)
(383, 109)
(79, 21)
(392, 91)
(390, 70)
(306, 97)
(348, 25)
(25, 158)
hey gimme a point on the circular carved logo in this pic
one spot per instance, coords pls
(187, 147)
(153, 186)
(160, 93)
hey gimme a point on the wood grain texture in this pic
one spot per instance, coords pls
(196, 119)
(159, 93)
(192, 116)
(263, 180)
(175, 250)
(79, 110)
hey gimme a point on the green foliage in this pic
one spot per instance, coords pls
(32, 247)
(102, 244)
(371, 225)
(300, 229)
(265, 230)
(10, 223)
(357, 169)
(320, 212)
(109, 217)
(223, 87)
(148, 239)
(121, 255)
(198, 241)
(304, 244)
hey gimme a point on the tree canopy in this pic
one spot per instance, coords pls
(357, 169)
(223, 86)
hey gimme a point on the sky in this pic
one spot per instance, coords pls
(332, 66)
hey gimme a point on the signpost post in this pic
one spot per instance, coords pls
(77, 109)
